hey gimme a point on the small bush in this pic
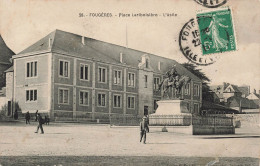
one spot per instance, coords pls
(3, 112)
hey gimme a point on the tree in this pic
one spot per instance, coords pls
(205, 80)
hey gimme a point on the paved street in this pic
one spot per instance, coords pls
(62, 139)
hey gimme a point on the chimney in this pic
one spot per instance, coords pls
(254, 91)
(50, 42)
(144, 59)
(121, 57)
(83, 40)
(159, 65)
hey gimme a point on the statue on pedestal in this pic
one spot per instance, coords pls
(175, 80)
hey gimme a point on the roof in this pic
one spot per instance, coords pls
(5, 52)
(253, 96)
(207, 105)
(244, 90)
(257, 95)
(233, 87)
(69, 43)
(11, 69)
(235, 101)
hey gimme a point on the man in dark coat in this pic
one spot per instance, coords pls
(15, 115)
(36, 113)
(41, 121)
(143, 129)
(27, 117)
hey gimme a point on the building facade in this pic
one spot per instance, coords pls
(71, 76)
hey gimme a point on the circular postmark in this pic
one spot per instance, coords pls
(190, 44)
(211, 3)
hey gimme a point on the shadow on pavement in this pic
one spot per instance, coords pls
(164, 143)
(231, 137)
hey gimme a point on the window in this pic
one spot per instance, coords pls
(131, 102)
(196, 90)
(117, 77)
(145, 81)
(131, 79)
(102, 100)
(83, 98)
(196, 108)
(31, 95)
(156, 82)
(64, 68)
(31, 69)
(187, 89)
(63, 96)
(146, 63)
(84, 72)
(117, 101)
(102, 74)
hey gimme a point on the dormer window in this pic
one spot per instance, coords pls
(159, 65)
(146, 63)
(121, 57)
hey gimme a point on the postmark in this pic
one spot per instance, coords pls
(190, 44)
(211, 3)
(216, 31)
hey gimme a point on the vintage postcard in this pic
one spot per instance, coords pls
(120, 82)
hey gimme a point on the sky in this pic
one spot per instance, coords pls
(24, 22)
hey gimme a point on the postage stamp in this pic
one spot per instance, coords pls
(216, 31)
(202, 40)
(211, 3)
(190, 44)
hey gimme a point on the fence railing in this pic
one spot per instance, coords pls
(169, 120)
(212, 121)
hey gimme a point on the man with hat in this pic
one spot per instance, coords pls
(41, 121)
(143, 129)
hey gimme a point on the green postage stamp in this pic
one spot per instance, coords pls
(216, 31)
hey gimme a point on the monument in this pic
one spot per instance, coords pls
(171, 110)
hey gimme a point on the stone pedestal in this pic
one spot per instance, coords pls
(171, 107)
(170, 113)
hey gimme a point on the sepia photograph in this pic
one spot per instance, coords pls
(129, 82)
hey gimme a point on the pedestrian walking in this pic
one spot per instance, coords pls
(36, 113)
(41, 122)
(27, 117)
(143, 129)
(15, 114)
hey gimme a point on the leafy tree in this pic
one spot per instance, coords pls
(2, 80)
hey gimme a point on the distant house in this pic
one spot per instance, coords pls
(219, 89)
(72, 76)
(241, 103)
(227, 90)
(230, 91)
(236, 97)
(255, 97)
(214, 108)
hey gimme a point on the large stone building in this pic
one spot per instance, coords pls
(68, 75)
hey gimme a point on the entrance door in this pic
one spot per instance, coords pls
(9, 108)
(145, 110)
